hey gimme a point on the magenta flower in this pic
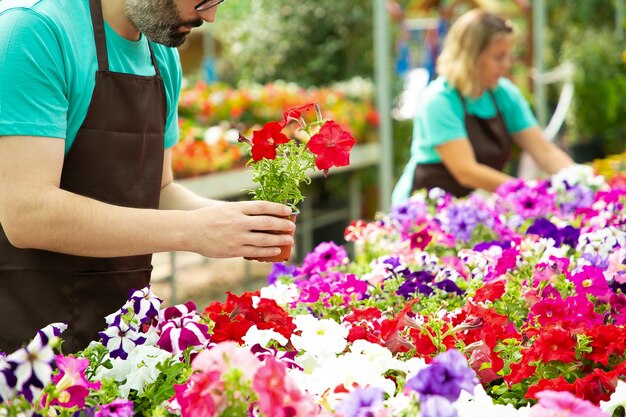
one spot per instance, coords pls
(564, 404)
(181, 327)
(118, 408)
(590, 281)
(71, 384)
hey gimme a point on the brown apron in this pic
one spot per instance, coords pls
(117, 158)
(491, 142)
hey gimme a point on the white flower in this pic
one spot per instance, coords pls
(574, 175)
(319, 336)
(33, 362)
(618, 398)
(262, 337)
(283, 294)
(138, 370)
(480, 404)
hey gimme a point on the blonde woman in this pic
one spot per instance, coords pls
(471, 114)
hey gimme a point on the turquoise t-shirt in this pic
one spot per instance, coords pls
(439, 119)
(48, 64)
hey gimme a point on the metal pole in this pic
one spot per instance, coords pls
(382, 54)
(539, 20)
(619, 19)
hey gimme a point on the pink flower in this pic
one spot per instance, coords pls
(563, 404)
(71, 384)
(224, 356)
(278, 394)
(195, 397)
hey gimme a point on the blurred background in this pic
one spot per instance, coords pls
(365, 62)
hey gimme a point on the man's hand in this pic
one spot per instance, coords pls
(241, 229)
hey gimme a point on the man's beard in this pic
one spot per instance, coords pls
(159, 21)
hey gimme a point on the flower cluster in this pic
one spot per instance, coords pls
(518, 313)
(280, 163)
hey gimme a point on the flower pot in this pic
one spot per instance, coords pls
(285, 250)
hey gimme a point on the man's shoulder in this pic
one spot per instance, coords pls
(59, 16)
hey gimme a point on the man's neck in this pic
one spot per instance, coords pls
(115, 16)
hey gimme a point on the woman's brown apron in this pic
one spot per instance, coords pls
(490, 141)
(117, 158)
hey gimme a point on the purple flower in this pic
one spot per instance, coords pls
(279, 269)
(460, 222)
(118, 408)
(483, 246)
(324, 257)
(120, 338)
(596, 260)
(447, 375)
(145, 304)
(416, 282)
(449, 286)
(569, 236)
(408, 214)
(362, 402)
(544, 228)
(575, 197)
(437, 406)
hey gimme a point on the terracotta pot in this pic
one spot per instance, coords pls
(285, 250)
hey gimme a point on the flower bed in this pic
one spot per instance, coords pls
(227, 111)
(509, 304)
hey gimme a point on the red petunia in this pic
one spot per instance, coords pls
(265, 141)
(331, 146)
(295, 113)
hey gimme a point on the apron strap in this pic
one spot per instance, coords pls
(98, 31)
(154, 61)
(493, 98)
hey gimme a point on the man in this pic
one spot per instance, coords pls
(87, 121)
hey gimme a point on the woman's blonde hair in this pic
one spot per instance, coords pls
(467, 39)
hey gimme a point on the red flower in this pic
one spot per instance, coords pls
(295, 113)
(420, 239)
(491, 291)
(555, 344)
(331, 146)
(555, 384)
(265, 141)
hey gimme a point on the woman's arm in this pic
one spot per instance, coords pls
(459, 158)
(546, 154)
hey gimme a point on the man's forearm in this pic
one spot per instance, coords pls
(63, 222)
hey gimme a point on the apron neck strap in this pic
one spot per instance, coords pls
(493, 98)
(154, 61)
(98, 31)
(97, 19)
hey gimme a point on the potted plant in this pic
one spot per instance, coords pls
(281, 164)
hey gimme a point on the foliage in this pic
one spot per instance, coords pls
(599, 103)
(270, 39)
(433, 318)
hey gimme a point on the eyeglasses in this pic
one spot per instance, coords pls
(206, 5)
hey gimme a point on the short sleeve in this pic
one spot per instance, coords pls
(173, 82)
(515, 109)
(33, 86)
(440, 121)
